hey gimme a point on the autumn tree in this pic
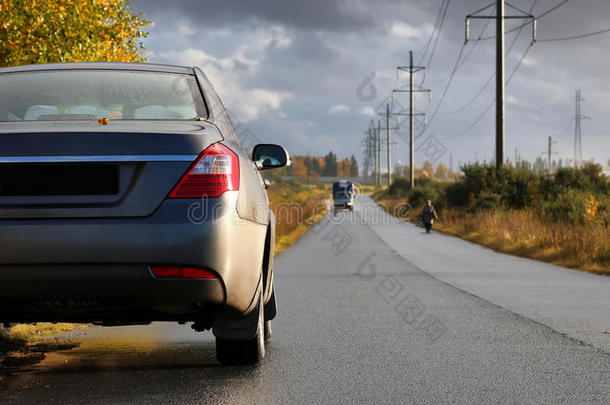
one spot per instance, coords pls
(54, 31)
(442, 172)
(299, 169)
(428, 168)
(344, 168)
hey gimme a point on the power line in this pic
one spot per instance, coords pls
(575, 36)
(440, 102)
(525, 24)
(472, 100)
(480, 117)
(438, 36)
(438, 16)
(460, 65)
(475, 43)
(552, 9)
(457, 65)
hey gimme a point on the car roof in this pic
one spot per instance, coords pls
(149, 67)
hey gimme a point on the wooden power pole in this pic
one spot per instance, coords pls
(500, 67)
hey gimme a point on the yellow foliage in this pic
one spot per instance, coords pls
(56, 31)
(591, 208)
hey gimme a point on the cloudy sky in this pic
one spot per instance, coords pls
(311, 75)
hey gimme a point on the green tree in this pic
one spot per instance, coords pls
(54, 31)
(354, 169)
(330, 167)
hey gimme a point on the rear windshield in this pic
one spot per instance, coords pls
(92, 94)
(343, 194)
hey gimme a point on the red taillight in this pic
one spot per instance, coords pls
(180, 272)
(215, 171)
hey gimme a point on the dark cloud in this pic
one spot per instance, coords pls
(333, 45)
(335, 15)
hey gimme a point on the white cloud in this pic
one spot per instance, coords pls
(246, 103)
(368, 111)
(185, 31)
(277, 37)
(406, 31)
(339, 108)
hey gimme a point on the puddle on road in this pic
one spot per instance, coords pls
(158, 346)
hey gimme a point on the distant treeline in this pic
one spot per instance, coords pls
(310, 168)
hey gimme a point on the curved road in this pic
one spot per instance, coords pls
(370, 310)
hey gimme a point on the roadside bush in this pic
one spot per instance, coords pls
(575, 195)
(567, 207)
(457, 194)
(486, 201)
(433, 193)
(399, 187)
(588, 178)
(517, 182)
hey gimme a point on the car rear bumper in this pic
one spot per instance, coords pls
(343, 204)
(91, 292)
(107, 260)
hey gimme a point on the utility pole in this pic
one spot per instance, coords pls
(387, 124)
(370, 153)
(373, 134)
(577, 133)
(387, 142)
(411, 69)
(577, 130)
(378, 137)
(500, 67)
(549, 152)
(500, 84)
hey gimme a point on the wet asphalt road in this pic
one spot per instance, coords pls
(361, 321)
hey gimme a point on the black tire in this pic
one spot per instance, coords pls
(268, 332)
(233, 352)
(5, 332)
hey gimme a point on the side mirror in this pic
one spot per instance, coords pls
(268, 156)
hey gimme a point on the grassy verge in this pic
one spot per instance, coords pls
(41, 331)
(296, 208)
(524, 233)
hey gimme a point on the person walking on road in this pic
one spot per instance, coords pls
(428, 216)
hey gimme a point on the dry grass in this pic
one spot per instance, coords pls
(296, 208)
(41, 331)
(524, 233)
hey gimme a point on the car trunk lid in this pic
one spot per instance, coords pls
(83, 169)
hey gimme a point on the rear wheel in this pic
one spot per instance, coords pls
(268, 332)
(5, 331)
(243, 352)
